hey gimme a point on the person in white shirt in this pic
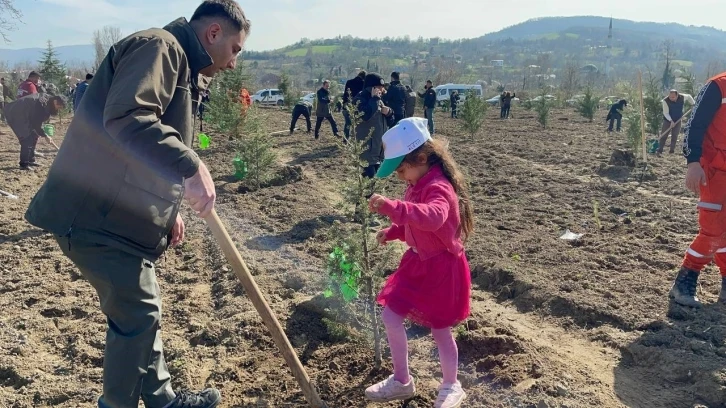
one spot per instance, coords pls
(673, 105)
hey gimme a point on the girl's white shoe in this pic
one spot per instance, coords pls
(391, 390)
(450, 396)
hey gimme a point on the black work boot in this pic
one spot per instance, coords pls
(722, 295)
(683, 291)
(208, 398)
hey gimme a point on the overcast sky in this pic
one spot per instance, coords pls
(276, 23)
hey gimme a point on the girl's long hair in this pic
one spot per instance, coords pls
(436, 151)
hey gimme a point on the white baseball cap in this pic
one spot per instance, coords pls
(400, 140)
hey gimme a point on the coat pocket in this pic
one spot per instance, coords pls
(145, 208)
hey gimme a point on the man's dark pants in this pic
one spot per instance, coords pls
(27, 149)
(615, 117)
(319, 122)
(27, 145)
(296, 112)
(664, 138)
(133, 363)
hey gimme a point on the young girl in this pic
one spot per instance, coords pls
(432, 284)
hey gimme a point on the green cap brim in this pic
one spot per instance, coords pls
(389, 166)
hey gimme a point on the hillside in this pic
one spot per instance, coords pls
(589, 25)
(69, 54)
(549, 44)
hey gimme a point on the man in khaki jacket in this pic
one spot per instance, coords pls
(113, 193)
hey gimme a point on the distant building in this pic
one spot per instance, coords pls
(497, 63)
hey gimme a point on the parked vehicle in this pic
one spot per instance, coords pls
(494, 101)
(268, 97)
(310, 98)
(547, 97)
(575, 100)
(443, 92)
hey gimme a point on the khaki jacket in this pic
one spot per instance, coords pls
(118, 177)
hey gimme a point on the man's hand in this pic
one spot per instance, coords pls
(385, 110)
(200, 192)
(177, 231)
(695, 177)
(673, 124)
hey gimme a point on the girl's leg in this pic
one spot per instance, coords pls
(448, 353)
(398, 343)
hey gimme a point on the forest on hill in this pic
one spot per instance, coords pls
(537, 51)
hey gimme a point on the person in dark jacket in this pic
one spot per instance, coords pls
(6, 99)
(506, 104)
(323, 110)
(352, 89)
(26, 117)
(80, 90)
(615, 114)
(113, 195)
(410, 101)
(454, 99)
(303, 108)
(375, 119)
(429, 97)
(395, 97)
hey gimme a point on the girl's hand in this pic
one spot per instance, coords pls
(375, 202)
(381, 237)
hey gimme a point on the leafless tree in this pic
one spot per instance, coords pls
(571, 79)
(9, 17)
(103, 40)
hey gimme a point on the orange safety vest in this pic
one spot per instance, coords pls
(714, 142)
(245, 99)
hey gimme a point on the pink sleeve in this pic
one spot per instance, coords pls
(33, 89)
(395, 232)
(428, 216)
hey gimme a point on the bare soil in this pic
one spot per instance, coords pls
(555, 323)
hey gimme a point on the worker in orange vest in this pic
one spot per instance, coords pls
(245, 100)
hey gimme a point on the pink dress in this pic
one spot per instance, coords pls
(432, 285)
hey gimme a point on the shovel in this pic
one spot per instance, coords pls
(263, 308)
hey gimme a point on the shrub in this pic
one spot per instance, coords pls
(587, 107)
(473, 112)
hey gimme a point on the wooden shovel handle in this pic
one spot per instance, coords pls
(263, 308)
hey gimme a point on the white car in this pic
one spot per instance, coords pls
(497, 99)
(547, 97)
(309, 98)
(268, 97)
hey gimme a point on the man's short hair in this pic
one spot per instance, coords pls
(229, 10)
(395, 76)
(675, 91)
(428, 81)
(362, 74)
(89, 76)
(33, 74)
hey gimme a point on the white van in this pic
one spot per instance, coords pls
(268, 97)
(443, 92)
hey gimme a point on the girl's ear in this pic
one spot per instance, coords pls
(421, 159)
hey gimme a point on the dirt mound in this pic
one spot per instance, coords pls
(624, 158)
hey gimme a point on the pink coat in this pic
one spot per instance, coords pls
(428, 220)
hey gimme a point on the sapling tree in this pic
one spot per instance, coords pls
(356, 263)
(587, 107)
(473, 113)
(542, 107)
(255, 148)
